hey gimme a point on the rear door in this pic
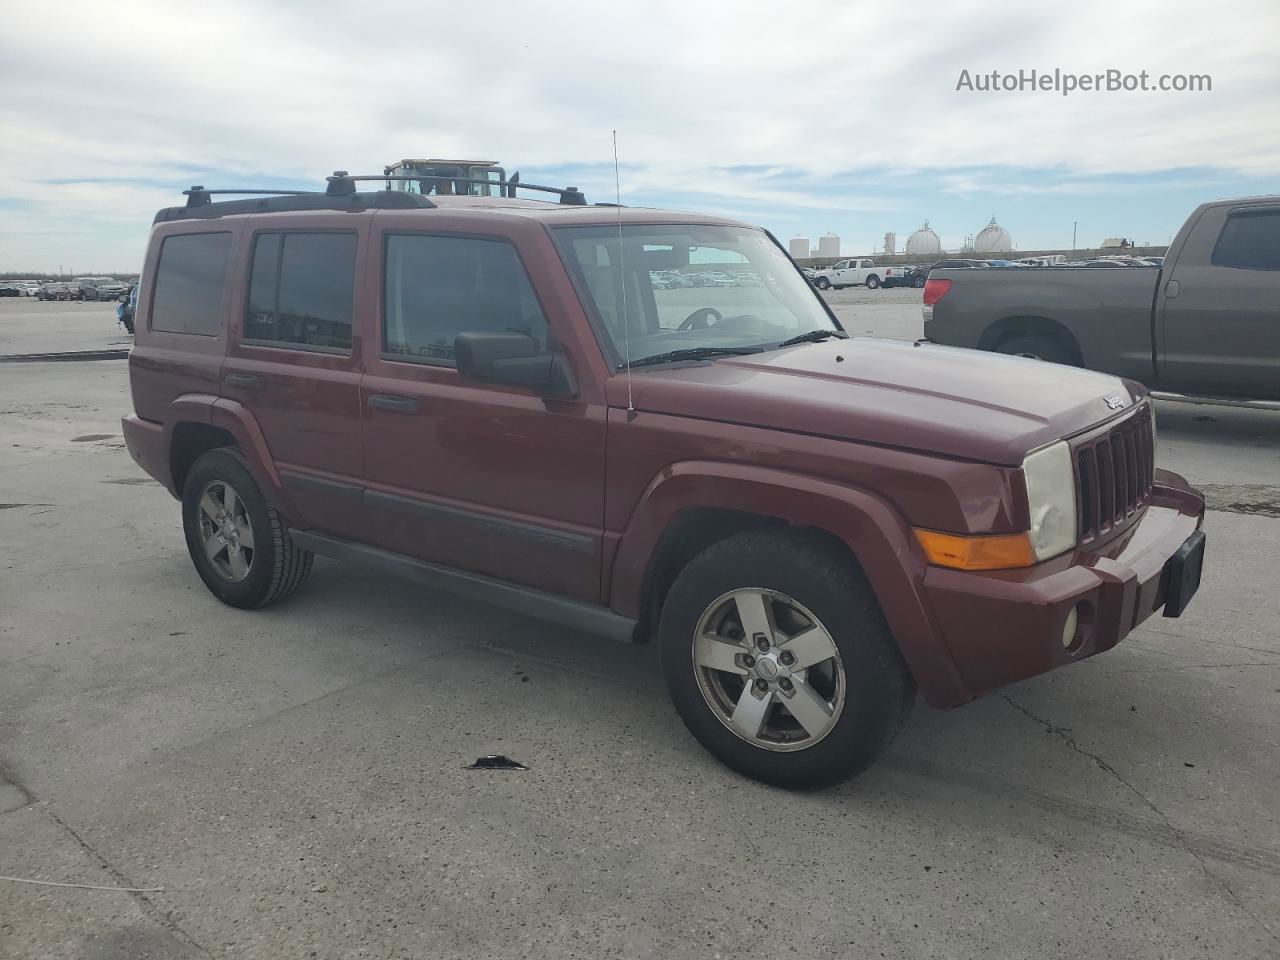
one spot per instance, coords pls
(294, 362)
(1220, 306)
(492, 479)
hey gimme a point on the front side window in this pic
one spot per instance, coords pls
(436, 287)
(190, 284)
(669, 287)
(1250, 241)
(301, 291)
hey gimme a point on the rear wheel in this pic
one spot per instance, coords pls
(779, 661)
(1038, 348)
(873, 282)
(238, 542)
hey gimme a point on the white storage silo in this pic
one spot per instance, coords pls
(798, 247)
(829, 247)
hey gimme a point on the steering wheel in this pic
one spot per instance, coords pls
(700, 319)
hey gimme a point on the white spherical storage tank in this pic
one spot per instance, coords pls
(798, 247)
(993, 238)
(924, 242)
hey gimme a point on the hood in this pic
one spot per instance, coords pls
(967, 404)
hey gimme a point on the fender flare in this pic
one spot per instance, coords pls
(875, 533)
(236, 419)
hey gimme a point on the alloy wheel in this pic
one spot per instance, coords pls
(226, 531)
(768, 669)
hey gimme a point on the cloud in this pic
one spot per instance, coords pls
(748, 105)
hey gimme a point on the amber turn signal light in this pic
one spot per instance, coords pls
(992, 552)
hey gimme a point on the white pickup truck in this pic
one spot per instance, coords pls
(856, 272)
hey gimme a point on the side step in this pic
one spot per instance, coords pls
(1216, 401)
(539, 604)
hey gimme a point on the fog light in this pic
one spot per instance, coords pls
(1069, 628)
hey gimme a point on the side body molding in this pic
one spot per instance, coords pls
(874, 532)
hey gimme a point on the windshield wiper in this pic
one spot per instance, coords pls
(690, 353)
(813, 336)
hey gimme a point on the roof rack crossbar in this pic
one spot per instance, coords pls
(199, 196)
(567, 195)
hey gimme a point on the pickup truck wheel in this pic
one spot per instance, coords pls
(238, 542)
(779, 661)
(873, 282)
(822, 283)
(1036, 348)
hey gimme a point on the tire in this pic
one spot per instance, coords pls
(275, 567)
(1038, 348)
(864, 690)
(918, 282)
(873, 282)
(822, 283)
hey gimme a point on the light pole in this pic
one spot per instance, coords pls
(1074, 224)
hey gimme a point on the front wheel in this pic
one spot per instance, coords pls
(239, 544)
(918, 282)
(822, 283)
(873, 283)
(779, 661)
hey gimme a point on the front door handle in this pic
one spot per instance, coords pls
(392, 403)
(245, 381)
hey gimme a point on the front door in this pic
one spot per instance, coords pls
(490, 479)
(1221, 307)
(294, 364)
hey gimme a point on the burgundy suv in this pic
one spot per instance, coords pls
(638, 424)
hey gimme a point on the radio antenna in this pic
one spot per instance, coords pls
(622, 276)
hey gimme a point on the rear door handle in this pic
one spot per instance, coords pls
(392, 403)
(245, 381)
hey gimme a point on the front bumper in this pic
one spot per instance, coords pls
(1006, 625)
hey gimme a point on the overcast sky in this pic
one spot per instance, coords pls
(840, 117)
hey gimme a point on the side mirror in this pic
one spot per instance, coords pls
(514, 359)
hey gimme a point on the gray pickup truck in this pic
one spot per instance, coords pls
(1206, 324)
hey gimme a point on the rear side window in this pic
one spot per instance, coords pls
(439, 287)
(301, 291)
(191, 284)
(1250, 241)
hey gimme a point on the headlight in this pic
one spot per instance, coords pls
(1051, 495)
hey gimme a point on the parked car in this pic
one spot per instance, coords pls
(960, 264)
(913, 276)
(10, 289)
(58, 291)
(1205, 323)
(857, 272)
(812, 527)
(100, 288)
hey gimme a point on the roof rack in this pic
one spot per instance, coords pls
(339, 194)
(342, 182)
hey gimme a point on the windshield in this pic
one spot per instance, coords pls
(689, 287)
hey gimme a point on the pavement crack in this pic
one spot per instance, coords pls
(152, 910)
(1062, 734)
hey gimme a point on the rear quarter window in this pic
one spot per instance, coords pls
(1250, 241)
(190, 290)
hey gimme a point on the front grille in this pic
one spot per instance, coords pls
(1114, 473)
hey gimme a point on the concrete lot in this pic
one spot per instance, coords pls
(293, 779)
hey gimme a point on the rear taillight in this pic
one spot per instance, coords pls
(935, 290)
